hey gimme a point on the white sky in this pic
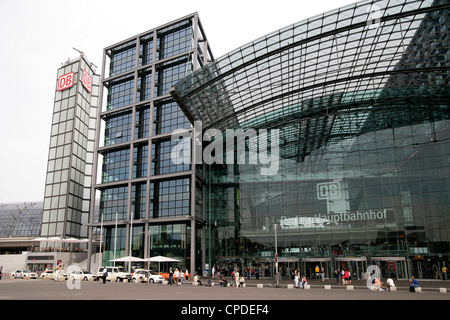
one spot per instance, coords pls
(37, 36)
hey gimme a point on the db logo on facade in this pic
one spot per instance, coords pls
(65, 81)
(328, 190)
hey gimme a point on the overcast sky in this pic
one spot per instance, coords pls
(37, 36)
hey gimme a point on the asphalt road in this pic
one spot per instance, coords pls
(37, 289)
(111, 299)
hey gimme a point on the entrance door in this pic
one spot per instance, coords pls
(391, 267)
(309, 268)
(357, 266)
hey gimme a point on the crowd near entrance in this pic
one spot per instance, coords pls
(325, 268)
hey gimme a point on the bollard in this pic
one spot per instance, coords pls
(290, 286)
(195, 283)
(327, 287)
(392, 288)
(165, 282)
(349, 288)
(418, 289)
(443, 290)
(259, 285)
(244, 285)
(307, 287)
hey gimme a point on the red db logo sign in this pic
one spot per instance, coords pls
(87, 81)
(65, 81)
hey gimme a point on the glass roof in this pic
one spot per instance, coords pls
(360, 67)
(20, 219)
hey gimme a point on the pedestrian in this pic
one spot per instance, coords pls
(444, 272)
(345, 277)
(1, 272)
(176, 275)
(377, 284)
(104, 275)
(241, 282)
(181, 277)
(303, 282)
(222, 281)
(337, 273)
(213, 272)
(317, 272)
(233, 278)
(248, 273)
(296, 279)
(390, 284)
(236, 277)
(342, 276)
(349, 277)
(170, 276)
(197, 280)
(414, 284)
(323, 274)
(186, 275)
(435, 271)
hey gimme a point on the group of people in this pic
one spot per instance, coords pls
(343, 277)
(237, 280)
(299, 281)
(177, 276)
(442, 275)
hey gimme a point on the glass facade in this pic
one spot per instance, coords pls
(360, 99)
(70, 159)
(144, 196)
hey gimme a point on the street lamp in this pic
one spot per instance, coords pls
(277, 276)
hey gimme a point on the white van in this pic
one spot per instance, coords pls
(114, 274)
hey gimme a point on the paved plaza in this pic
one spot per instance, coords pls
(37, 289)
(266, 302)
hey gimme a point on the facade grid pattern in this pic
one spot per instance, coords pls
(360, 98)
(138, 115)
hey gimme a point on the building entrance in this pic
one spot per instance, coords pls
(356, 265)
(391, 267)
(309, 266)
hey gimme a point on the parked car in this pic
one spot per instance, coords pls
(82, 275)
(115, 274)
(147, 276)
(47, 274)
(21, 273)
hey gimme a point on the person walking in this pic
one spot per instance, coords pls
(170, 276)
(181, 277)
(435, 272)
(104, 275)
(1, 272)
(236, 277)
(296, 279)
(176, 275)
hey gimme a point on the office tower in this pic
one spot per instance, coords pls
(148, 205)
